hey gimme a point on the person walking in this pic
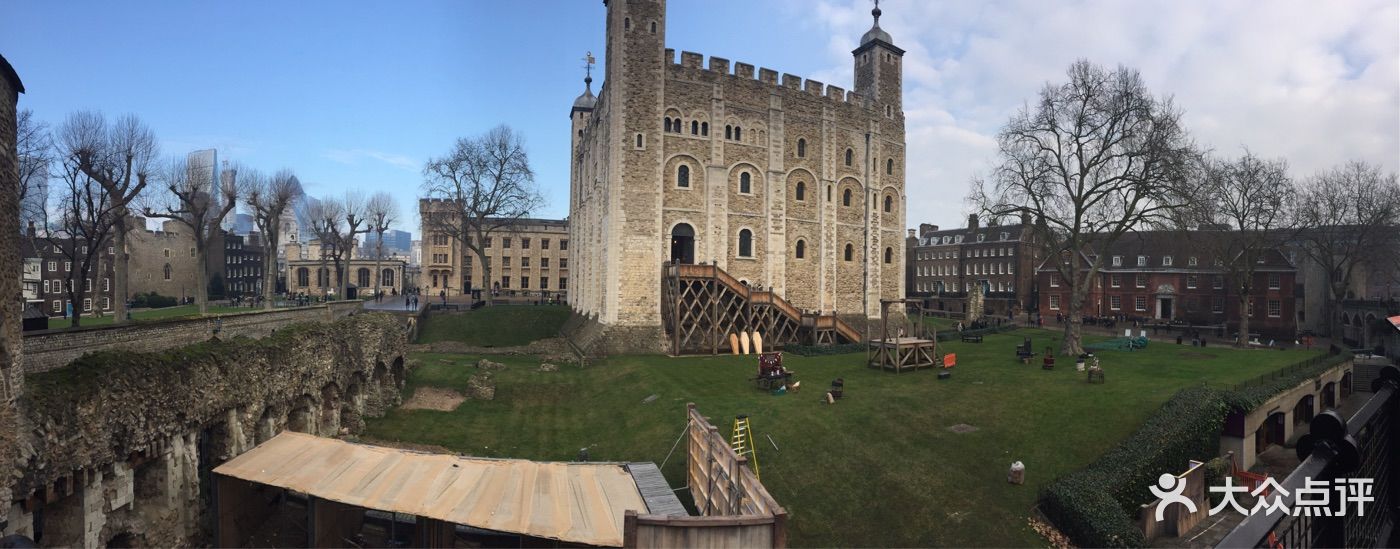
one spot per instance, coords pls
(406, 302)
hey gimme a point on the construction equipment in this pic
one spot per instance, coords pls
(742, 442)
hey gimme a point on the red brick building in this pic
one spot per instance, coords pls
(943, 266)
(1169, 276)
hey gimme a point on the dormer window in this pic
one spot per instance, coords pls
(1166, 261)
(1005, 236)
(1142, 261)
(981, 237)
(1117, 261)
(1191, 261)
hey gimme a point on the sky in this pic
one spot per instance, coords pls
(358, 95)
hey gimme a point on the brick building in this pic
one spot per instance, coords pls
(529, 256)
(1169, 276)
(785, 183)
(55, 266)
(239, 260)
(945, 265)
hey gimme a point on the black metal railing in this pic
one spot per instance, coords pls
(1365, 446)
(1288, 371)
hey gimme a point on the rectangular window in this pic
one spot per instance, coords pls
(53, 266)
(1141, 281)
(1218, 282)
(524, 243)
(1142, 261)
(505, 282)
(1054, 303)
(1115, 302)
(563, 263)
(505, 242)
(563, 244)
(505, 262)
(87, 304)
(563, 283)
(1117, 261)
(87, 285)
(1054, 281)
(1250, 307)
(488, 242)
(1217, 304)
(58, 306)
(1275, 281)
(67, 266)
(525, 262)
(106, 303)
(544, 243)
(524, 282)
(1140, 303)
(1190, 281)
(1115, 281)
(1275, 308)
(544, 283)
(46, 286)
(544, 262)
(1166, 261)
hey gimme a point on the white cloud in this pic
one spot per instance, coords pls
(1316, 83)
(354, 156)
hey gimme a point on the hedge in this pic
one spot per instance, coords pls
(153, 300)
(820, 350)
(1253, 394)
(1095, 506)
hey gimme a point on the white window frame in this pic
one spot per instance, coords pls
(1054, 302)
(1166, 261)
(1275, 308)
(1140, 303)
(1142, 261)
(1275, 281)
(1115, 302)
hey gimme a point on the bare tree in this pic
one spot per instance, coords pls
(1096, 157)
(486, 184)
(1241, 215)
(190, 192)
(35, 149)
(269, 199)
(120, 157)
(337, 223)
(1348, 214)
(79, 227)
(323, 219)
(382, 212)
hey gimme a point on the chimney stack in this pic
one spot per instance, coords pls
(972, 221)
(1025, 218)
(926, 229)
(911, 231)
(32, 232)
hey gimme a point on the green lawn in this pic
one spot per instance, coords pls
(495, 326)
(880, 468)
(149, 314)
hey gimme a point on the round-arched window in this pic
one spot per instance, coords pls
(745, 243)
(683, 176)
(801, 250)
(801, 191)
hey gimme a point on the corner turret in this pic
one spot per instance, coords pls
(879, 68)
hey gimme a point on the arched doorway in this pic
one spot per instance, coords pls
(1346, 385)
(1303, 411)
(682, 243)
(1269, 432)
(1329, 395)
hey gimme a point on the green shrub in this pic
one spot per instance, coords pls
(820, 350)
(153, 301)
(1256, 392)
(1095, 506)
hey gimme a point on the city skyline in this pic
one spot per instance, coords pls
(367, 113)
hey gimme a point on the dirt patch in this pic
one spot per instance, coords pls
(1197, 356)
(482, 386)
(547, 367)
(484, 364)
(434, 398)
(962, 428)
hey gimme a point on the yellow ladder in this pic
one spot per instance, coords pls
(742, 441)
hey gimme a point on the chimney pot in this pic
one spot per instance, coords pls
(972, 221)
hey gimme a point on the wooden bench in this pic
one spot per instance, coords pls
(971, 338)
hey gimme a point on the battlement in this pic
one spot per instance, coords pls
(747, 71)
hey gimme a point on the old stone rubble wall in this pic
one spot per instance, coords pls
(51, 349)
(120, 442)
(11, 380)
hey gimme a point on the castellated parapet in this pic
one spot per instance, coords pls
(784, 182)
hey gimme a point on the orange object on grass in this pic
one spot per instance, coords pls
(950, 360)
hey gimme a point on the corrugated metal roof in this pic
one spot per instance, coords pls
(574, 502)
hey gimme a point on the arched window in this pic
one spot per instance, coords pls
(738, 133)
(850, 251)
(627, 23)
(323, 277)
(667, 124)
(850, 156)
(639, 141)
(889, 255)
(801, 148)
(889, 166)
(683, 176)
(704, 128)
(745, 243)
(729, 132)
(745, 183)
(846, 197)
(801, 251)
(167, 271)
(386, 278)
(653, 27)
(889, 203)
(828, 193)
(801, 191)
(362, 277)
(303, 277)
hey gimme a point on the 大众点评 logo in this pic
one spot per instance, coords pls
(1314, 499)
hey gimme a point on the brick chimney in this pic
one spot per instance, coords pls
(32, 232)
(972, 221)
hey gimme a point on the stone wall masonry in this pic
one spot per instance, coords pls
(46, 350)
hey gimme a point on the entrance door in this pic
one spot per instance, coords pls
(1164, 308)
(683, 244)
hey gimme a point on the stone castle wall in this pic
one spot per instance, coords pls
(11, 348)
(122, 441)
(781, 134)
(151, 251)
(44, 351)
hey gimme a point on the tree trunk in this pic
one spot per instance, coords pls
(378, 257)
(119, 269)
(201, 292)
(1243, 339)
(269, 274)
(1074, 338)
(486, 287)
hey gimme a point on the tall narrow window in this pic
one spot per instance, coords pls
(889, 166)
(745, 243)
(683, 176)
(801, 191)
(889, 203)
(846, 197)
(745, 183)
(653, 27)
(850, 251)
(738, 133)
(729, 132)
(828, 193)
(639, 141)
(694, 127)
(801, 251)
(850, 156)
(666, 123)
(889, 255)
(802, 148)
(704, 128)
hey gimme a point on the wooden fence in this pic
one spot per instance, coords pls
(736, 510)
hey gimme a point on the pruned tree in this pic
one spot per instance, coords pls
(1350, 215)
(34, 147)
(382, 212)
(121, 157)
(269, 199)
(1241, 215)
(485, 184)
(198, 197)
(323, 219)
(337, 223)
(79, 227)
(1095, 158)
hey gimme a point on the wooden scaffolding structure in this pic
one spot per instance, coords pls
(908, 347)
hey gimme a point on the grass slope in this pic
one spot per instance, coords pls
(878, 468)
(179, 311)
(496, 326)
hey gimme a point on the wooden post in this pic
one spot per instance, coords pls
(629, 529)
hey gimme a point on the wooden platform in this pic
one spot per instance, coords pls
(901, 353)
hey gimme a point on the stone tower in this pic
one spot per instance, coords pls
(878, 71)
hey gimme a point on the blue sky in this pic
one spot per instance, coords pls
(359, 94)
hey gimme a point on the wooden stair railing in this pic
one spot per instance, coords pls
(846, 330)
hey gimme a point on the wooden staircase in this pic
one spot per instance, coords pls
(703, 304)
